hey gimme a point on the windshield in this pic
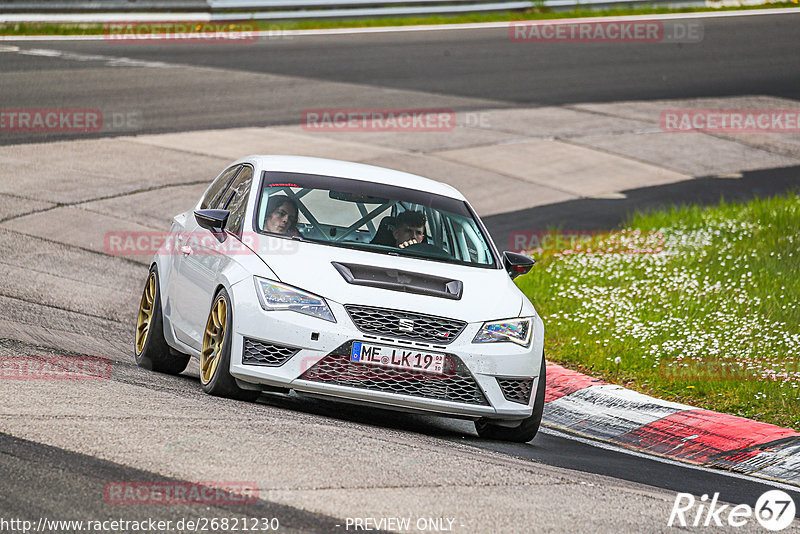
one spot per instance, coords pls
(369, 216)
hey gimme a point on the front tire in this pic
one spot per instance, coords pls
(150, 347)
(527, 430)
(215, 356)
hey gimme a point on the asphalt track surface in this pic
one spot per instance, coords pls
(455, 69)
(459, 69)
(47, 482)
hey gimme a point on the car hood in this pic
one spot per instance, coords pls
(486, 294)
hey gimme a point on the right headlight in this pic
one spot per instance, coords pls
(507, 330)
(277, 296)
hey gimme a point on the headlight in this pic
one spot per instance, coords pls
(514, 330)
(276, 296)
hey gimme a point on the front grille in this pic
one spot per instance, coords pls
(456, 384)
(262, 353)
(405, 325)
(516, 390)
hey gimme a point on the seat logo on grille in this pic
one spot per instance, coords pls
(406, 325)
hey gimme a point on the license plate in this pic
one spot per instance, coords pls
(397, 357)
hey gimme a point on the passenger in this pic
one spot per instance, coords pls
(281, 215)
(409, 228)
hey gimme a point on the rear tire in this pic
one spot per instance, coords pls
(150, 348)
(215, 356)
(527, 430)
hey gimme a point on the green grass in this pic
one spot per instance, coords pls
(506, 16)
(700, 305)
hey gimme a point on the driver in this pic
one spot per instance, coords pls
(281, 215)
(409, 228)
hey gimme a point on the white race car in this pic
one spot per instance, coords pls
(349, 282)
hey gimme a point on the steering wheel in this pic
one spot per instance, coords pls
(427, 249)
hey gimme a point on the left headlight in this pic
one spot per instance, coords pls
(277, 296)
(514, 330)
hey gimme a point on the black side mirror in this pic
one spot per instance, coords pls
(517, 264)
(213, 220)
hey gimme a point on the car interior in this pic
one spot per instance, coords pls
(340, 218)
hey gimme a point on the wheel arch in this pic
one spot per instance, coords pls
(162, 274)
(220, 287)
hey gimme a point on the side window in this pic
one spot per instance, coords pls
(214, 192)
(236, 200)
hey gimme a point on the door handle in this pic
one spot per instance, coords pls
(186, 250)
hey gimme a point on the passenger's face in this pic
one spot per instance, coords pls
(283, 218)
(409, 233)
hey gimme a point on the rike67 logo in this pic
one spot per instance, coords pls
(774, 510)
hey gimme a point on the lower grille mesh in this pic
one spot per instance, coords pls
(262, 353)
(455, 385)
(516, 390)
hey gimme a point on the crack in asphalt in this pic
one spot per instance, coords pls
(78, 203)
(80, 248)
(60, 308)
(11, 344)
(34, 212)
(23, 197)
(48, 273)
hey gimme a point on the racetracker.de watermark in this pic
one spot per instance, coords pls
(378, 120)
(606, 31)
(170, 493)
(68, 120)
(587, 241)
(731, 120)
(714, 371)
(194, 32)
(164, 243)
(142, 525)
(54, 368)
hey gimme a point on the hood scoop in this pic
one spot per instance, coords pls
(396, 280)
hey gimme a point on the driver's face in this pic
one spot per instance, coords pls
(283, 218)
(407, 233)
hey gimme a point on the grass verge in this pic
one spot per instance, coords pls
(531, 14)
(694, 305)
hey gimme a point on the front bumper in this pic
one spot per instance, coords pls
(314, 360)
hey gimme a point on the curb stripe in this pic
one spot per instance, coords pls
(562, 382)
(587, 406)
(608, 411)
(778, 460)
(698, 435)
(784, 464)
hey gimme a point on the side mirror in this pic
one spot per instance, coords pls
(213, 220)
(517, 264)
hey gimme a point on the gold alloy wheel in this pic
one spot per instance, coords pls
(213, 340)
(145, 312)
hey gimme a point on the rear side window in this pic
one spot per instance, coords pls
(236, 200)
(214, 193)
